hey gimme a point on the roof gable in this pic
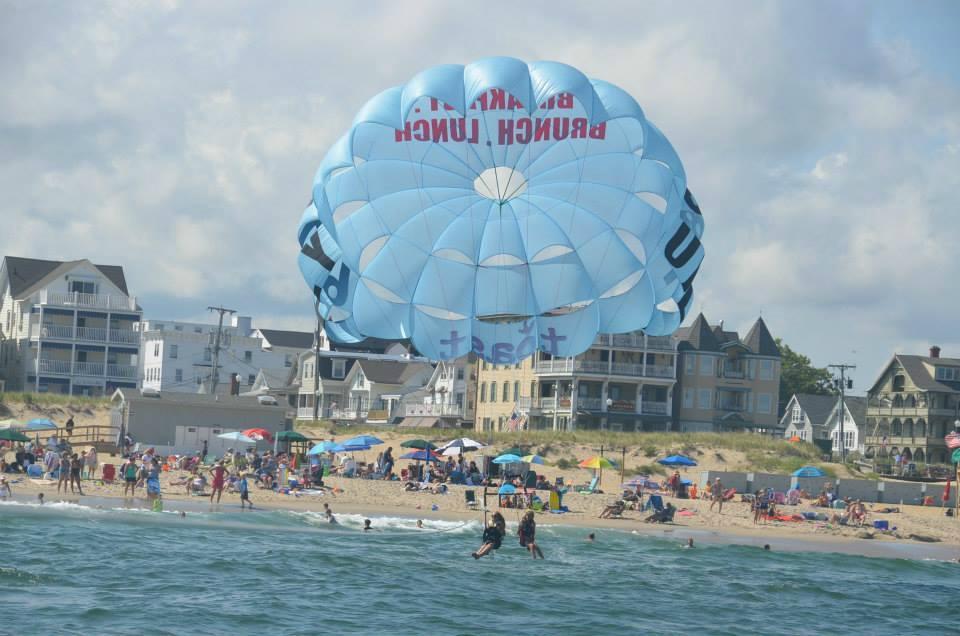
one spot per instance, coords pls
(760, 341)
(817, 407)
(291, 339)
(699, 336)
(24, 273)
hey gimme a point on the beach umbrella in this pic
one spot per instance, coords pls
(422, 444)
(677, 460)
(809, 471)
(516, 450)
(327, 446)
(10, 435)
(292, 436)
(41, 424)
(508, 458)
(463, 444)
(258, 434)
(237, 436)
(10, 423)
(363, 440)
(532, 459)
(507, 489)
(596, 462)
(422, 456)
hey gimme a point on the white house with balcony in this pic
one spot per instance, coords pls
(447, 400)
(67, 327)
(178, 356)
(624, 382)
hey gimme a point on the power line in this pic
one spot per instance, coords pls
(215, 379)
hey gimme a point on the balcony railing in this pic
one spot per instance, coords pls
(653, 408)
(89, 368)
(590, 403)
(557, 365)
(730, 406)
(432, 410)
(124, 371)
(58, 367)
(124, 336)
(64, 332)
(98, 301)
(660, 342)
(93, 334)
(555, 403)
(659, 371)
(733, 372)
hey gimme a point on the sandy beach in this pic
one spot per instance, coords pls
(939, 535)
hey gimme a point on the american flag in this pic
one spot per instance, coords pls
(514, 422)
(952, 440)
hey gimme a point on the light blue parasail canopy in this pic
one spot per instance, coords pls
(501, 207)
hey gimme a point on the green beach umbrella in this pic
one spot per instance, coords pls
(292, 436)
(10, 435)
(956, 456)
(421, 444)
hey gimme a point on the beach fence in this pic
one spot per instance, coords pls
(874, 491)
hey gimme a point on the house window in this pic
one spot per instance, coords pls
(251, 378)
(796, 416)
(688, 398)
(288, 360)
(207, 355)
(173, 350)
(493, 391)
(178, 375)
(339, 369)
(948, 374)
(690, 363)
(483, 392)
(198, 330)
(83, 287)
(703, 399)
(358, 382)
(766, 369)
(763, 403)
(506, 391)
(248, 356)
(459, 373)
(516, 390)
(706, 365)
(483, 365)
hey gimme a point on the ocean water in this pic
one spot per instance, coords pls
(71, 569)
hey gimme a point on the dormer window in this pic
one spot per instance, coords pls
(796, 416)
(339, 369)
(898, 383)
(83, 287)
(947, 374)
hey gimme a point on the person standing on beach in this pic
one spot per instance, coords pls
(244, 490)
(219, 479)
(5, 491)
(69, 427)
(527, 532)
(129, 476)
(716, 494)
(203, 452)
(76, 467)
(64, 476)
(388, 463)
(90, 463)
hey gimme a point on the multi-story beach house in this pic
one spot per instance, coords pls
(67, 327)
(179, 356)
(808, 417)
(911, 406)
(624, 382)
(727, 383)
(448, 399)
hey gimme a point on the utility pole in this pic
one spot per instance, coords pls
(843, 368)
(316, 362)
(215, 379)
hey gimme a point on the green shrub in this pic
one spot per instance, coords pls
(650, 451)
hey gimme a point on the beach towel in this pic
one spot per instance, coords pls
(686, 513)
(729, 493)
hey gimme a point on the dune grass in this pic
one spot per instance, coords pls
(45, 400)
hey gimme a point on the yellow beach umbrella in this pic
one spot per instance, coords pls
(596, 462)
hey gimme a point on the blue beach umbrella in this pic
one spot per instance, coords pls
(363, 440)
(809, 471)
(422, 456)
(323, 447)
(677, 460)
(41, 424)
(509, 458)
(507, 489)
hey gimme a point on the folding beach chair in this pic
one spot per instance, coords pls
(592, 488)
(470, 497)
(655, 502)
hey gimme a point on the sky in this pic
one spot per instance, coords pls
(180, 140)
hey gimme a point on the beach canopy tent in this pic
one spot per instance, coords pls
(11, 435)
(237, 436)
(809, 471)
(422, 456)
(41, 424)
(596, 462)
(508, 458)
(422, 444)
(363, 440)
(677, 460)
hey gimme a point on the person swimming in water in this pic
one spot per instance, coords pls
(527, 532)
(366, 525)
(329, 513)
(492, 536)
(591, 538)
(689, 543)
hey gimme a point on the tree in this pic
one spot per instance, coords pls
(798, 375)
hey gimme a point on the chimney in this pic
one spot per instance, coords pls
(934, 351)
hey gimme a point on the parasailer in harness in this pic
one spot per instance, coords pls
(492, 535)
(527, 532)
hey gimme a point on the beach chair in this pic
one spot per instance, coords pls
(470, 498)
(655, 502)
(108, 473)
(591, 488)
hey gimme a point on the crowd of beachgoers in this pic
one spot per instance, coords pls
(373, 481)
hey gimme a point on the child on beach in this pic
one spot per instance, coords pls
(492, 536)
(244, 491)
